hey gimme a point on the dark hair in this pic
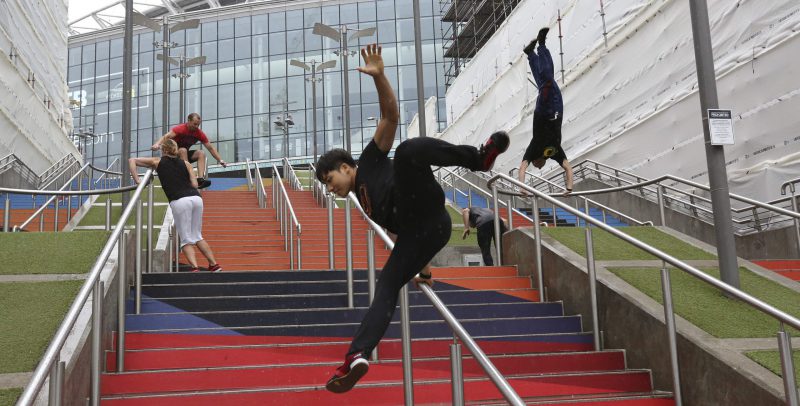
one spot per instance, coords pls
(192, 116)
(331, 161)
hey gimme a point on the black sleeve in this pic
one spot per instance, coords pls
(372, 153)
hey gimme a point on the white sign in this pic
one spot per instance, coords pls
(720, 126)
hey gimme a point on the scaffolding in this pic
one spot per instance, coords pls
(466, 26)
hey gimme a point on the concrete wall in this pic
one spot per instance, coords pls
(711, 372)
(770, 244)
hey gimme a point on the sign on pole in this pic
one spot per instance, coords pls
(720, 127)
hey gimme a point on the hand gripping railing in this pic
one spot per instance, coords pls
(284, 212)
(784, 341)
(50, 364)
(459, 333)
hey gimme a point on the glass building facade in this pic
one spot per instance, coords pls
(247, 83)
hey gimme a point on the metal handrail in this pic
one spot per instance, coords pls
(595, 203)
(458, 330)
(60, 174)
(41, 209)
(92, 285)
(55, 171)
(326, 200)
(283, 207)
(781, 316)
(789, 183)
(249, 175)
(481, 190)
(291, 175)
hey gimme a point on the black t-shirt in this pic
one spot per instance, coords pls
(175, 180)
(375, 186)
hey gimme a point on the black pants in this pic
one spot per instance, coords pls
(425, 227)
(485, 237)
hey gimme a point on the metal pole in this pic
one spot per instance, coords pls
(299, 251)
(138, 258)
(97, 351)
(456, 373)
(54, 392)
(108, 213)
(349, 242)
(796, 221)
(405, 333)
(57, 201)
(165, 77)
(69, 202)
(127, 80)
(345, 73)
(290, 236)
(715, 154)
(314, 104)
(122, 286)
(669, 317)
(177, 245)
(537, 233)
(331, 261)
(149, 255)
(497, 235)
(7, 213)
(510, 211)
(182, 80)
(787, 366)
(418, 63)
(660, 193)
(371, 264)
(603, 17)
(592, 282)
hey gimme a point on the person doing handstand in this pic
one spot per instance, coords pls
(402, 196)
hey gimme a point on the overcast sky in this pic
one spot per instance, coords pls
(79, 8)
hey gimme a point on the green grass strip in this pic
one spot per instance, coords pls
(610, 248)
(8, 397)
(708, 309)
(97, 215)
(772, 361)
(158, 197)
(456, 241)
(49, 253)
(32, 311)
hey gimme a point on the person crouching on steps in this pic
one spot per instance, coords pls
(180, 185)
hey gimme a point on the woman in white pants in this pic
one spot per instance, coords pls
(180, 185)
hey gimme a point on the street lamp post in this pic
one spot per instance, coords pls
(314, 68)
(341, 36)
(166, 45)
(285, 121)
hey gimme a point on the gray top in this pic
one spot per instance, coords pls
(479, 216)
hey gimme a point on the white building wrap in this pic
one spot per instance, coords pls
(634, 103)
(34, 110)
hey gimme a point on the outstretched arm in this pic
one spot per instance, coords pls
(213, 151)
(161, 140)
(390, 115)
(465, 218)
(151, 163)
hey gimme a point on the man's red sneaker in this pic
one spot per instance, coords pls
(494, 146)
(345, 377)
(214, 268)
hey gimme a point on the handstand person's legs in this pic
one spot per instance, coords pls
(424, 152)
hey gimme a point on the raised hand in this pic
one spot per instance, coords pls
(373, 61)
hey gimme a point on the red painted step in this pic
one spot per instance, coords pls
(789, 268)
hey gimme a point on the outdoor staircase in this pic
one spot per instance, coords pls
(23, 206)
(274, 337)
(789, 268)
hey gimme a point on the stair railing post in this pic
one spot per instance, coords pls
(149, 255)
(469, 197)
(108, 212)
(97, 352)
(122, 287)
(69, 202)
(349, 241)
(555, 218)
(290, 237)
(796, 220)
(371, 276)
(537, 234)
(331, 259)
(669, 317)
(405, 333)
(176, 244)
(299, 249)
(787, 366)
(456, 373)
(137, 257)
(590, 265)
(509, 208)
(660, 197)
(7, 213)
(55, 218)
(497, 235)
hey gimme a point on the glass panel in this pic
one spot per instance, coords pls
(209, 74)
(226, 72)
(226, 151)
(193, 51)
(88, 53)
(387, 32)
(332, 85)
(226, 101)
(426, 8)
(348, 13)
(193, 81)
(261, 148)
(311, 16)
(405, 30)
(225, 50)
(101, 91)
(244, 148)
(294, 19)
(429, 51)
(389, 54)
(408, 83)
(429, 79)
(210, 128)
(366, 11)
(277, 66)
(404, 8)
(243, 48)
(277, 22)
(209, 105)
(225, 29)
(260, 24)
(243, 70)
(210, 51)
(406, 56)
(386, 9)
(226, 128)
(312, 42)
(192, 35)
(101, 50)
(146, 42)
(297, 95)
(243, 101)
(294, 40)
(88, 72)
(209, 31)
(277, 43)
(242, 26)
(260, 97)
(330, 15)
(260, 45)
(426, 28)
(277, 94)
(260, 68)
(116, 47)
(74, 56)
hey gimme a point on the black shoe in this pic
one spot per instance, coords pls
(345, 376)
(542, 35)
(202, 183)
(494, 146)
(529, 48)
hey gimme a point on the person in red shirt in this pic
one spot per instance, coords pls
(186, 135)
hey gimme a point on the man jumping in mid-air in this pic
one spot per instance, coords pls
(186, 135)
(547, 116)
(402, 196)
